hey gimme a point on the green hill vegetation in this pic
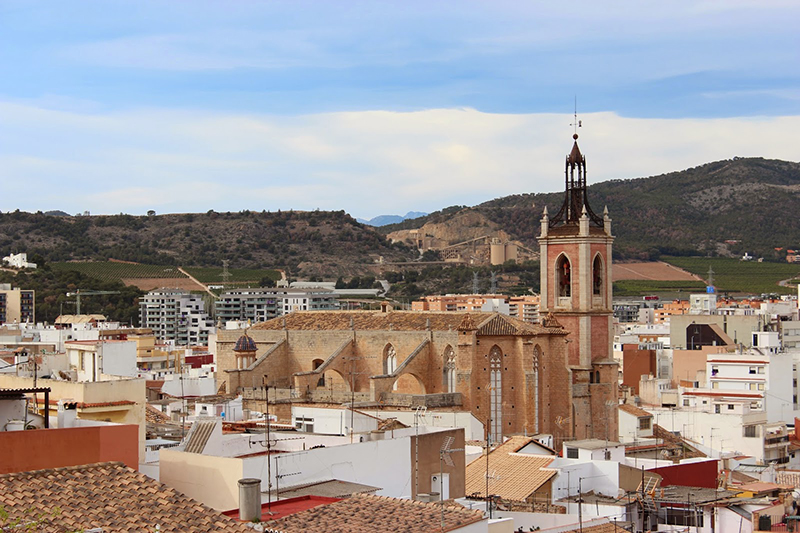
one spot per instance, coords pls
(51, 286)
(318, 243)
(723, 208)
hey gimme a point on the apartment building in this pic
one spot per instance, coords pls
(176, 315)
(16, 305)
(763, 379)
(259, 305)
(523, 307)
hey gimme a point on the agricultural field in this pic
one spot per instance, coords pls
(735, 276)
(147, 277)
(642, 287)
(214, 275)
(111, 271)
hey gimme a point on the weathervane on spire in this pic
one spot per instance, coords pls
(575, 122)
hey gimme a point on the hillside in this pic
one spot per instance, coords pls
(307, 244)
(695, 211)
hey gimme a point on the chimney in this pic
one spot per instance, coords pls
(249, 499)
(66, 416)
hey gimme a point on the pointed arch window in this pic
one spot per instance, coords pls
(496, 393)
(537, 354)
(389, 359)
(449, 373)
(597, 276)
(564, 276)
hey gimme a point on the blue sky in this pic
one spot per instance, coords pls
(377, 107)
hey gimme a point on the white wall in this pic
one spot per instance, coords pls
(383, 463)
(335, 421)
(199, 386)
(119, 358)
(11, 410)
(727, 520)
(602, 477)
(473, 428)
(719, 431)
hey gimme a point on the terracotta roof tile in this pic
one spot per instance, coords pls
(110, 496)
(367, 514)
(633, 410)
(514, 476)
(403, 321)
(599, 528)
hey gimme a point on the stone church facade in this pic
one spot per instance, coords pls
(557, 377)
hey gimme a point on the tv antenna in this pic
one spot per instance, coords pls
(445, 456)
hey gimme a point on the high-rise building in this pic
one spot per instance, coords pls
(176, 315)
(258, 305)
(16, 305)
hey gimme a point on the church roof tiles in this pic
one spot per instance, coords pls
(485, 323)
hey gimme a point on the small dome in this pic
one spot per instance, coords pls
(245, 344)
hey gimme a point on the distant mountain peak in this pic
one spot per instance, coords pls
(384, 220)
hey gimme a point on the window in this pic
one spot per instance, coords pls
(753, 386)
(644, 423)
(389, 359)
(750, 431)
(752, 370)
(572, 453)
(686, 402)
(597, 276)
(715, 385)
(716, 408)
(496, 394)
(449, 376)
(563, 277)
(761, 370)
(607, 455)
(760, 386)
(731, 407)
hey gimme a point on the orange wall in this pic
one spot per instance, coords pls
(687, 363)
(38, 449)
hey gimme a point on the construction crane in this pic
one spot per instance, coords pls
(81, 292)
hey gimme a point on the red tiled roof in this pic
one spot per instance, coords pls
(368, 514)
(110, 496)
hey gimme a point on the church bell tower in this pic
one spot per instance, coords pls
(575, 247)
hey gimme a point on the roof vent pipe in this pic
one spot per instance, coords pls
(249, 499)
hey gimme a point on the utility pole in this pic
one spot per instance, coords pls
(353, 374)
(488, 439)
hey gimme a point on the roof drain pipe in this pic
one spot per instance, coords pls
(250, 499)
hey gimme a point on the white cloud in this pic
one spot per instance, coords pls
(367, 163)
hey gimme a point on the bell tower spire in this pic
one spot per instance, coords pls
(575, 250)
